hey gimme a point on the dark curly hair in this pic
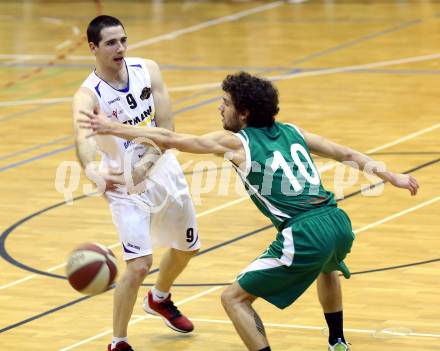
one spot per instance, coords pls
(253, 94)
(97, 24)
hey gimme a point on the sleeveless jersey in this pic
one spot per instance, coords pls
(281, 177)
(132, 105)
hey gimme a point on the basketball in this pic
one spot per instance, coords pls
(91, 268)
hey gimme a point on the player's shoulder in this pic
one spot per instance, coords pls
(291, 128)
(140, 61)
(133, 61)
(91, 81)
(152, 66)
(84, 93)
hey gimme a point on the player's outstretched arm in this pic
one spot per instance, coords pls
(327, 148)
(218, 143)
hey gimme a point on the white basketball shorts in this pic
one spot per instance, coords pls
(164, 215)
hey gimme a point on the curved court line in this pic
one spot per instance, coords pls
(206, 292)
(4, 254)
(9, 230)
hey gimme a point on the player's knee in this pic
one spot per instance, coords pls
(329, 278)
(225, 299)
(230, 297)
(194, 252)
(184, 254)
(139, 268)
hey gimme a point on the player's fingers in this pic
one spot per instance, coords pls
(115, 180)
(84, 120)
(88, 114)
(85, 125)
(416, 183)
(115, 173)
(414, 189)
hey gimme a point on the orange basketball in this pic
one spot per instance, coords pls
(91, 268)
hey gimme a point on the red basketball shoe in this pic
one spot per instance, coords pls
(120, 346)
(169, 313)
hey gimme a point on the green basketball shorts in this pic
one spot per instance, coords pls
(313, 242)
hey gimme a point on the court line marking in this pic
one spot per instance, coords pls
(396, 215)
(228, 18)
(51, 269)
(405, 138)
(274, 78)
(224, 19)
(208, 291)
(392, 143)
(33, 148)
(351, 42)
(56, 151)
(241, 199)
(318, 72)
(167, 36)
(63, 44)
(310, 327)
(159, 38)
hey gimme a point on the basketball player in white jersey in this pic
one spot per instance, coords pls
(131, 91)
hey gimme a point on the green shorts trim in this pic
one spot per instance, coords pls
(314, 242)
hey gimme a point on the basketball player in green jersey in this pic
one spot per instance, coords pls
(274, 161)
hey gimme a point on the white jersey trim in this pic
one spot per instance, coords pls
(285, 260)
(247, 151)
(296, 128)
(272, 209)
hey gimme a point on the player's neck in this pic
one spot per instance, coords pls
(118, 79)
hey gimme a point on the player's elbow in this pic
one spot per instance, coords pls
(344, 154)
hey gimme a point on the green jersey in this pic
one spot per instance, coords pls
(280, 175)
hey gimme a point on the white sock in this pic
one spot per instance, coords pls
(115, 340)
(158, 295)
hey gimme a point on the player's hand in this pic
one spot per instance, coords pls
(405, 181)
(112, 180)
(105, 180)
(97, 122)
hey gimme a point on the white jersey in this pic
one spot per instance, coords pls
(132, 105)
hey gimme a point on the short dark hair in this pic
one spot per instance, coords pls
(97, 24)
(256, 95)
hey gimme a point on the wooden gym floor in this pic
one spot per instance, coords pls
(363, 73)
